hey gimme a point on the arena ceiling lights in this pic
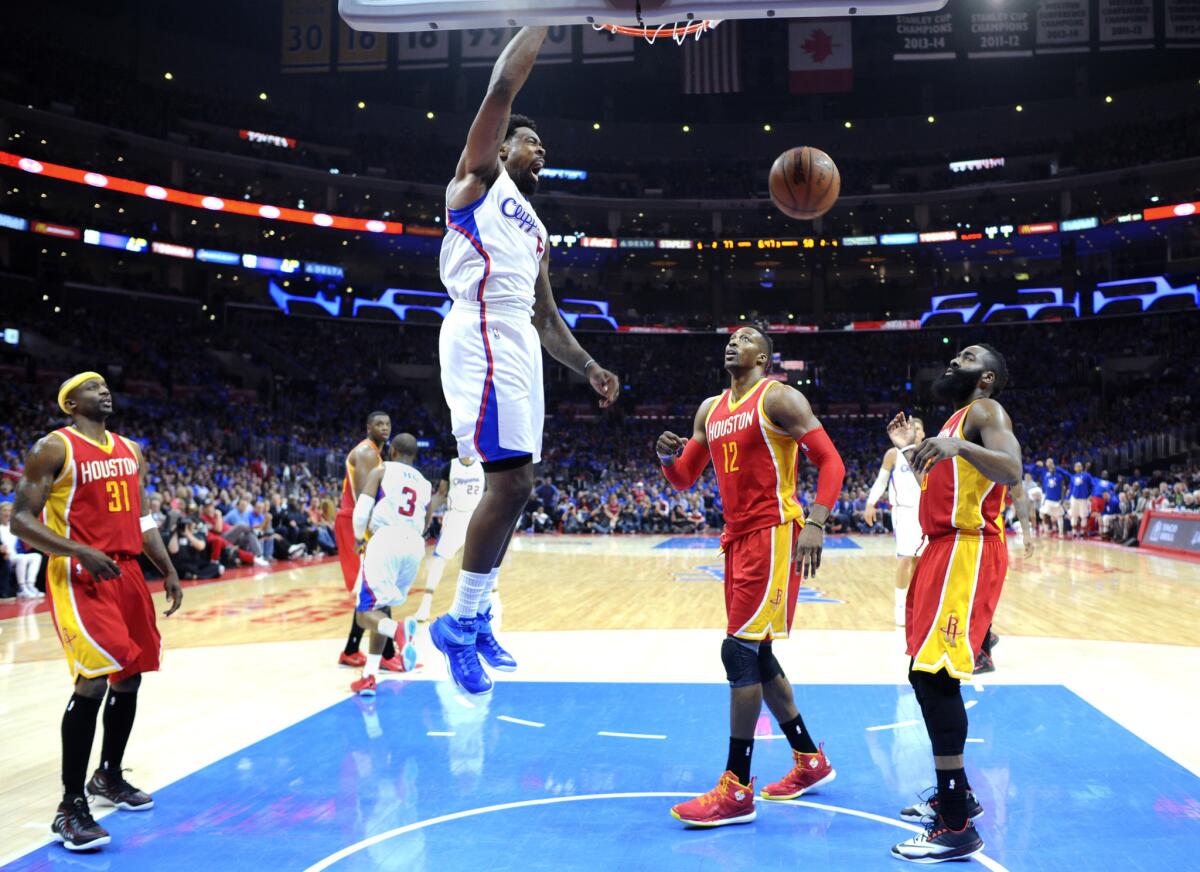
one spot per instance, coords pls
(197, 201)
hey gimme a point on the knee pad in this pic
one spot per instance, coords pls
(741, 662)
(768, 666)
(945, 715)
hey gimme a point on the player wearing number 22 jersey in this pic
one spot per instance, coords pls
(753, 434)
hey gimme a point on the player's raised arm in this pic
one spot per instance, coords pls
(789, 409)
(480, 161)
(880, 485)
(557, 339)
(152, 542)
(42, 466)
(684, 459)
(365, 503)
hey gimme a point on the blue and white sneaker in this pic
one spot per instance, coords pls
(487, 646)
(456, 638)
(408, 651)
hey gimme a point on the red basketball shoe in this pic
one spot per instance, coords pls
(358, 659)
(730, 802)
(365, 686)
(811, 770)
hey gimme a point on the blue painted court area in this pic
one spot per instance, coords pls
(409, 782)
(832, 543)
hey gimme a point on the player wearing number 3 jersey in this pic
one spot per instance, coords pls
(394, 507)
(753, 433)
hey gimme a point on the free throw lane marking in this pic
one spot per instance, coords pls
(629, 735)
(520, 721)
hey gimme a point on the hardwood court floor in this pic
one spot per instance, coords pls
(251, 656)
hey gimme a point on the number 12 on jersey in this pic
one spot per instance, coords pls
(730, 454)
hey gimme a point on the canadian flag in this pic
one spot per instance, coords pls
(820, 55)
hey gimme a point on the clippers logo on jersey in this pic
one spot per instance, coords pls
(524, 219)
(755, 463)
(114, 467)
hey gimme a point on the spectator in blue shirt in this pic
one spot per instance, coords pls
(1081, 500)
(1053, 484)
(6, 489)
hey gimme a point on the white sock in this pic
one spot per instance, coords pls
(433, 573)
(372, 667)
(387, 627)
(469, 593)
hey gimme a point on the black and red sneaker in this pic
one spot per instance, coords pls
(75, 827)
(983, 663)
(939, 843)
(927, 809)
(113, 787)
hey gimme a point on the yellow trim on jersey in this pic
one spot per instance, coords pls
(732, 404)
(56, 513)
(84, 656)
(953, 650)
(762, 409)
(711, 410)
(784, 455)
(770, 620)
(107, 449)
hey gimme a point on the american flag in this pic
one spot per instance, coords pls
(713, 64)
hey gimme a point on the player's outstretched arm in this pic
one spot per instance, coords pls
(996, 454)
(480, 162)
(42, 466)
(365, 503)
(152, 542)
(684, 459)
(880, 485)
(557, 339)
(789, 409)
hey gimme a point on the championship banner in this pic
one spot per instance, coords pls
(820, 55)
(1126, 24)
(602, 47)
(423, 50)
(361, 50)
(1182, 23)
(1064, 26)
(927, 37)
(1004, 30)
(307, 36)
(480, 48)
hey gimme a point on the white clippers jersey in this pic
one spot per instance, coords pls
(492, 249)
(903, 489)
(466, 486)
(403, 498)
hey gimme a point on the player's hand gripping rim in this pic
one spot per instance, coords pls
(807, 551)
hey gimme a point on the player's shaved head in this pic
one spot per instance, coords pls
(404, 445)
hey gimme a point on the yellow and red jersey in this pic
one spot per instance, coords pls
(348, 497)
(755, 462)
(96, 498)
(955, 496)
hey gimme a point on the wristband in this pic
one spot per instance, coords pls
(148, 523)
(820, 525)
(591, 362)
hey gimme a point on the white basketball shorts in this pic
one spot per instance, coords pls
(491, 361)
(906, 525)
(389, 567)
(454, 533)
(1053, 508)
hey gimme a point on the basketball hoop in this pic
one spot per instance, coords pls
(679, 31)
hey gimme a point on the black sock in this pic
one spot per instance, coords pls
(119, 711)
(389, 647)
(952, 797)
(738, 763)
(78, 731)
(354, 640)
(798, 736)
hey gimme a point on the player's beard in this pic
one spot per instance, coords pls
(526, 182)
(955, 386)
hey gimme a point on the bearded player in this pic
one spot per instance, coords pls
(904, 493)
(366, 456)
(966, 469)
(753, 434)
(496, 268)
(88, 487)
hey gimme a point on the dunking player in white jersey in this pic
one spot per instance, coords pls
(460, 488)
(394, 509)
(904, 493)
(495, 266)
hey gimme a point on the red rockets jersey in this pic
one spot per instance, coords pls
(96, 498)
(957, 496)
(755, 462)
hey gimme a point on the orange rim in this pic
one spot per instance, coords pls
(678, 31)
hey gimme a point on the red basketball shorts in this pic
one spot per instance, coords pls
(348, 556)
(951, 600)
(106, 627)
(761, 583)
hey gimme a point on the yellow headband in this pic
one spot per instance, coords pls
(70, 385)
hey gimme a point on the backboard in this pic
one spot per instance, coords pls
(410, 15)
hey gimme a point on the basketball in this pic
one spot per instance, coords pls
(804, 182)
